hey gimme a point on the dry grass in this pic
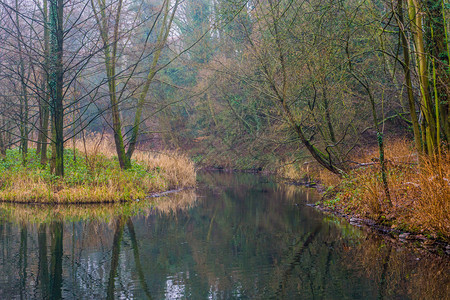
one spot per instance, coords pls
(94, 175)
(308, 172)
(420, 193)
(327, 178)
(432, 206)
(297, 172)
(178, 169)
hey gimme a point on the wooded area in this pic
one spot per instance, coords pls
(143, 106)
(241, 84)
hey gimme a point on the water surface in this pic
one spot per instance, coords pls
(239, 236)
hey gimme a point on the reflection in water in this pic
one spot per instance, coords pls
(137, 260)
(241, 236)
(43, 277)
(38, 214)
(400, 271)
(118, 233)
(56, 266)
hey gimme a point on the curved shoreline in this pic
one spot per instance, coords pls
(149, 196)
(400, 237)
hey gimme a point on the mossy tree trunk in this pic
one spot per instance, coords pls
(426, 21)
(44, 111)
(380, 138)
(161, 41)
(110, 44)
(110, 52)
(56, 81)
(408, 81)
(23, 96)
(438, 50)
(429, 129)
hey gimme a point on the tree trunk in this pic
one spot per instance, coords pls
(23, 96)
(429, 123)
(407, 71)
(110, 51)
(56, 81)
(161, 41)
(44, 99)
(437, 44)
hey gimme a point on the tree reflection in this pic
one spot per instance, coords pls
(118, 233)
(56, 263)
(43, 277)
(23, 259)
(244, 238)
(292, 263)
(398, 270)
(137, 259)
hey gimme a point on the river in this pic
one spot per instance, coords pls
(238, 236)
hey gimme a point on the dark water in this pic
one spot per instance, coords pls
(239, 236)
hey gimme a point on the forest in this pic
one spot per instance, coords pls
(224, 149)
(352, 94)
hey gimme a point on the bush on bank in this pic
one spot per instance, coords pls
(420, 192)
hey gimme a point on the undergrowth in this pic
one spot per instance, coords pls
(92, 175)
(420, 192)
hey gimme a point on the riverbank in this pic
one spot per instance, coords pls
(417, 208)
(214, 234)
(337, 198)
(401, 237)
(92, 176)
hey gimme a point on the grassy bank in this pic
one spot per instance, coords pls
(420, 193)
(92, 175)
